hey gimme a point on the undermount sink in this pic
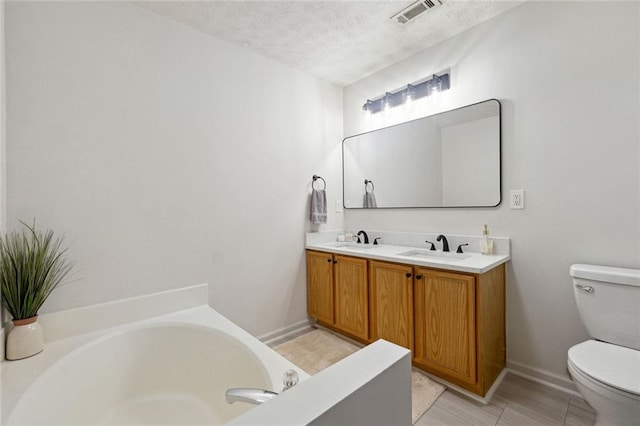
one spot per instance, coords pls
(350, 245)
(442, 255)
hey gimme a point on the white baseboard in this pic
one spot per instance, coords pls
(545, 377)
(496, 384)
(285, 333)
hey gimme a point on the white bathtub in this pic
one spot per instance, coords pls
(165, 373)
(105, 365)
(168, 358)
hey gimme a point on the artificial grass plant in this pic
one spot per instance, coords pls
(32, 265)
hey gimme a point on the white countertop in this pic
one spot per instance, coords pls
(475, 263)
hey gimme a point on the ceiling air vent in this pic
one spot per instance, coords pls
(415, 10)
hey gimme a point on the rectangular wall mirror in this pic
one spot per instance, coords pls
(451, 159)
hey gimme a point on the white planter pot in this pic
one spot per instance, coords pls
(24, 339)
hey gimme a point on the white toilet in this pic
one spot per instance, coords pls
(606, 370)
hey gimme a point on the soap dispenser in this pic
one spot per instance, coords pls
(486, 244)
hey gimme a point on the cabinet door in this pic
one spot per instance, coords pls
(391, 303)
(445, 327)
(320, 286)
(351, 296)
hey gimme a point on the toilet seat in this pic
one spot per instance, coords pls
(612, 365)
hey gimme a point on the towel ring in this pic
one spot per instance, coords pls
(315, 178)
(366, 181)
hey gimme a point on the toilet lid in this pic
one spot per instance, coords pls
(613, 365)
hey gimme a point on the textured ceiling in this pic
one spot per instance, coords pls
(338, 41)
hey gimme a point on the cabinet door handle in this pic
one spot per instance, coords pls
(418, 277)
(408, 274)
(335, 261)
(328, 260)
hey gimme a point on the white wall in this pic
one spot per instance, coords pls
(3, 127)
(567, 74)
(168, 157)
(3, 168)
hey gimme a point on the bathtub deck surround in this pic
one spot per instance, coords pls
(320, 348)
(370, 386)
(447, 308)
(130, 339)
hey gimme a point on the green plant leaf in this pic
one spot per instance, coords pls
(32, 265)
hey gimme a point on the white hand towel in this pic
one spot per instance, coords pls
(318, 206)
(369, 201)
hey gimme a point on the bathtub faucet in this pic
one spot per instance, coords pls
(258, 396)
(250, 395)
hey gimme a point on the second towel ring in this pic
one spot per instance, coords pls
(315, 178)
(366, 181)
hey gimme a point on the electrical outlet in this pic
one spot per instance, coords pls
(516, 199)
(338, 206)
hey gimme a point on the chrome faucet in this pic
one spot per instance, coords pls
(250, 395)
(445, 243)
(366, 237)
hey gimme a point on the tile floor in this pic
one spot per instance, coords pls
(517, 402)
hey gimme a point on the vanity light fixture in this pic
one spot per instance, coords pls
(409, 94)
(388, 101)
(431, 86)
(435, 85)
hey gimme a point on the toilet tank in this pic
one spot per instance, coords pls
(608, 300)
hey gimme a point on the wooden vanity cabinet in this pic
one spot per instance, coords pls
(459, 326)
(351, 296)
(391, 303)
(445, 324)
(320, 287)
(453, 322)
(337, 293)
